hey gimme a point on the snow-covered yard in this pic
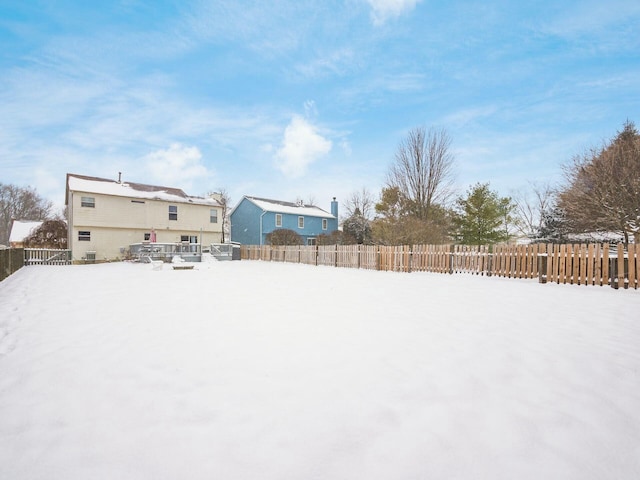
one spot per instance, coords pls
(252, 370)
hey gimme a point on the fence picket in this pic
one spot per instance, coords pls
(620, 261)
(47, 256)
(577, 264)
(631, 266)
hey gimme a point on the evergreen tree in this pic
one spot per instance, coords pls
(482, 217)
(553, 227)
(358, 228)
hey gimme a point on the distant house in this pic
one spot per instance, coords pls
(254, 218)
(107, 216)
(20, 231)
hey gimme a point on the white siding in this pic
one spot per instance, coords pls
(116, 222)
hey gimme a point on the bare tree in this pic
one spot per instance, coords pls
(603, 187)
(21, 204)
(311, 202)
(423, 170)
(531, 206)
(361, 201)
(223, 197)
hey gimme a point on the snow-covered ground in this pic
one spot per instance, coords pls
(252, 370)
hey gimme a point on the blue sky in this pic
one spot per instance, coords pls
(307, 99)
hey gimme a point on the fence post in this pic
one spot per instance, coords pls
(622, 273)
(542, 267)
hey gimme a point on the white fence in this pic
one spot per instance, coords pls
(47, 256)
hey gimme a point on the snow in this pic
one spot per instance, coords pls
(307, 210)
(21, 229)
(114, 188)
(241, 370)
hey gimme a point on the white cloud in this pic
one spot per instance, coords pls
(383, 10)
(301, 146)
(334, 63)
(178, 166)
(310, 109)
(463, 117)
(346, 147)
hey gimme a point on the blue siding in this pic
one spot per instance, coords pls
(246, 226)
(245, 223)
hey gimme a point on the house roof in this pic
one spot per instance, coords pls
(105, 186)
(21, 229)
(278, 206)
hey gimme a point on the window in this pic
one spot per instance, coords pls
(147, 237)
(88, 202)
(213, 215)
(324, 223)
(84, 236)
(189, 238)
(300, 222)
(278, 219)
(311, 242)
(137, 201)
(173, 212)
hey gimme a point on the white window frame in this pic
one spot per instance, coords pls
(89, 202)
(213, 215)
(173, 210)
(84, 236)
(189, 239)
(300, 222)
(278, 219)
(325, 224)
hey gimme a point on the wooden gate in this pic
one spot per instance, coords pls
(47, 256)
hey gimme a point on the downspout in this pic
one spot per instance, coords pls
(263, 212)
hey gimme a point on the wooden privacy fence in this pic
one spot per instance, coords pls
(11, 260)
(591, 264)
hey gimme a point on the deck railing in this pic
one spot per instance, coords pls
(47, 256)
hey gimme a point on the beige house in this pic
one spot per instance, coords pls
(107, 216)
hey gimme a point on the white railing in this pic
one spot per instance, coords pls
(148, 251)
(47, 256)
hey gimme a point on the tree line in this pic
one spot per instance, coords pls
(24, 203)
(599, 195)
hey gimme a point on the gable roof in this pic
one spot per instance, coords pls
(278, 206)
(105, 186)
(21, 229)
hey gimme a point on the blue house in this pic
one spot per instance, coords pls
(254, 218)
